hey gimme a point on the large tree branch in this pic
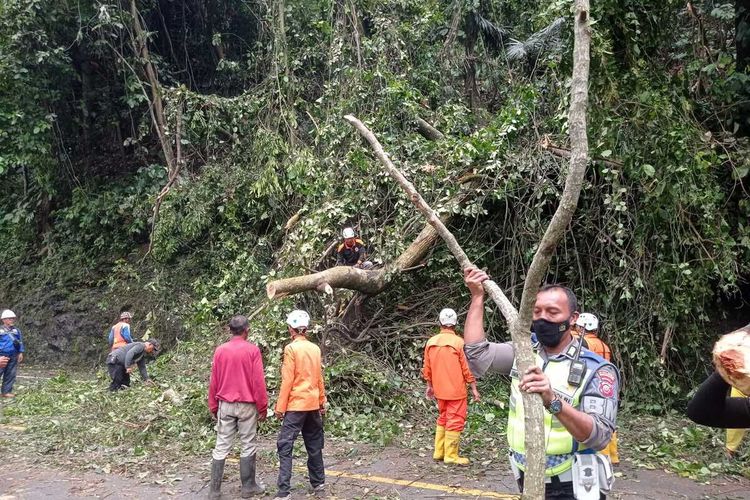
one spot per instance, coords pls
(368, 282)
(432, 218)
(569, 200)
(140, 47)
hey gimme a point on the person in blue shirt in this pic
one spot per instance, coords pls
(119, 334)
(11, 347)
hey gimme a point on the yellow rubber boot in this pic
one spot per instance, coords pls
(439, 443)
(614, 456)
(452, 439)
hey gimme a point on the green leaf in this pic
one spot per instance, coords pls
(649, 170)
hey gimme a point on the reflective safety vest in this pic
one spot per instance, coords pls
(117, 339)
(560, 443)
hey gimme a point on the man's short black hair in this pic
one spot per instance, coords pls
(572, 299)
(238, 324)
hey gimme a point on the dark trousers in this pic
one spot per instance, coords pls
(557, 489)
(120, 377)
(310, 423)
(8, 373)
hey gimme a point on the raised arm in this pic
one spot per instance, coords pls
(474, 327)
(482, 356)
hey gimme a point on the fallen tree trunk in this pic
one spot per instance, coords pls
(366, 281)
(369, 282)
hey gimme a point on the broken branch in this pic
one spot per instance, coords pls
(490, 286)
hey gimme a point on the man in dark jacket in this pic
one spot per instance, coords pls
(122, 361)
(352, 251)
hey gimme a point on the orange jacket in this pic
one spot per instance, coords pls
(302, 387)
(445, 365)
(598, 346)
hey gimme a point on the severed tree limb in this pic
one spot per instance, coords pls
(428, 131)
(370, 282)
(366, 281)
(490, 286)
(565, 153)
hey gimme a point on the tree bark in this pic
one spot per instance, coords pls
(428, 131)
(140, 46)
(370, 282)
(507, 309)
(535, 456)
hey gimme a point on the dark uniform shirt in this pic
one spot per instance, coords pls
(129, 355)
(599, 399)
(346, 256)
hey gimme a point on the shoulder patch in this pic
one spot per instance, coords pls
(606, 381)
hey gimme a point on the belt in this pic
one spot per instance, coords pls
(565, 477)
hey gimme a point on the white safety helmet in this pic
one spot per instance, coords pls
(448, 317)
(298, 319)
(349, 233)
(588, 321)
(8, 314)
(126, 315)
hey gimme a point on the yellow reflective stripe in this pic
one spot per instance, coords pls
(464, 492)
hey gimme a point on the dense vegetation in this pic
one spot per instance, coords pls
(254, 93)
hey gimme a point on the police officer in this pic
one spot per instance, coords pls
(12, 349)
(581, 404)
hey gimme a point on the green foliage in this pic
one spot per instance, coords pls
(660, 239)
(670, 442)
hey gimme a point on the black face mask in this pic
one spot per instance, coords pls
(548, 333)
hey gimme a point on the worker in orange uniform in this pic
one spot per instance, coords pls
(119, 334)
(301, 406)
(447, 373)
(588, 326)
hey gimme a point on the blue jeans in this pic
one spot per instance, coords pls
(9, 373)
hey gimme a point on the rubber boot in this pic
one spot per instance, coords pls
(247, 475)
(217, 473)
(452, 439)
(439, 443)
(614, 456)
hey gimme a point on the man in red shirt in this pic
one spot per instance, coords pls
(237, 399)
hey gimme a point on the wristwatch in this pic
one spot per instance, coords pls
(554, 406)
